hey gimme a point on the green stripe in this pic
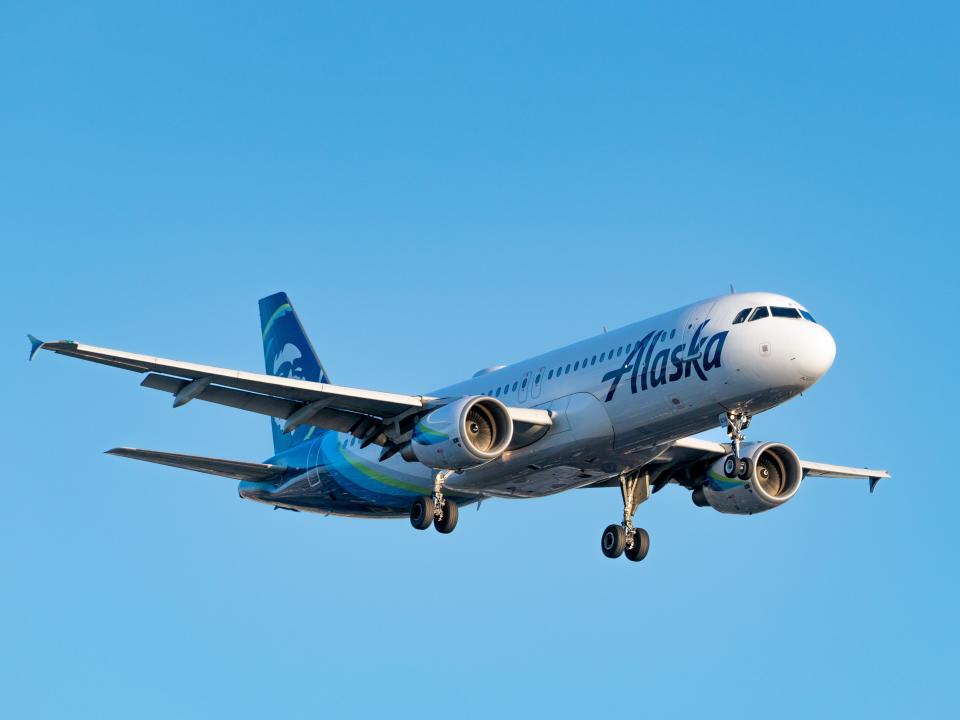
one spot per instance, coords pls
(380, 477)
(276, 313)
(724, 479)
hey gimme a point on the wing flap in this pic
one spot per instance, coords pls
(233, 469)
(325, 418)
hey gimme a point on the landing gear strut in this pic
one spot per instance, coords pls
(625, 539)
(435, 509)
(734, 465)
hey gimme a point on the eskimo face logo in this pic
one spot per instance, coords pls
(649, 370)
(289, 363)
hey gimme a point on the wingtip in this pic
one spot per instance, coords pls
(35, 345)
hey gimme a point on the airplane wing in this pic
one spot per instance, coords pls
(689, 456)
(380, 418)
(698, 449)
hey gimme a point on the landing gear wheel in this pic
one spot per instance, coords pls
(613, 541)
(448, 522)
(421, 514)
(744, 468)
(730, 466)
(641, 546)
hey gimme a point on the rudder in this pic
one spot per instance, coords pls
(288, 352)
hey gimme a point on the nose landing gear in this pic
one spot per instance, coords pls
(435, 509)
(734, 465)
(625, 539)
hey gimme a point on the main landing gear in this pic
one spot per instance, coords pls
(435, 509)
(735, 466)
(625, 539)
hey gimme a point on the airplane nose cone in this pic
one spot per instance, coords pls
(817, 353)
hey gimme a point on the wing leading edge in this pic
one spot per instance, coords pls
(686, 454)
(380, 418)
(690, 450)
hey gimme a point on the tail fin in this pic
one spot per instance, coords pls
(287, 352)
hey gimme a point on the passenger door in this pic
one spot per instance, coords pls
(313, 463)
(538, 381)
(524, 388)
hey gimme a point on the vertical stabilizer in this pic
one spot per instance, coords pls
(287, 352)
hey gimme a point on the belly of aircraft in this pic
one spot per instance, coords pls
(586, 448)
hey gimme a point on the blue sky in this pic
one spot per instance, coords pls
(441, 187)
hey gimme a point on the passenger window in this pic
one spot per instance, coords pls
(506, 388)
(550, 375)
(759, 313)
(514, 387)
(568, 369)
(593, 360)
(627, 348)
(524, 383)
(538, 378)
(619, 351)
(602, 356)
(741, 316)
(807, 315)
(498, 392)
(576, 366)
(785, 312)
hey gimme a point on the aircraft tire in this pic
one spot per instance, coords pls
(613, 541)
(730, 466)
(641, 546)
(745, 468)
(421, 514)
(451, 513)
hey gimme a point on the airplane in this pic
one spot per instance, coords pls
(619, 409)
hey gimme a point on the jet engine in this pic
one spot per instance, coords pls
(467, 432)
(775, 477)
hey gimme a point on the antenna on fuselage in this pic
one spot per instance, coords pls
(604, 329)
(733, 290)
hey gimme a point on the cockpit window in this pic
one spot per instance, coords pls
(760, 312)
(785, 312)
(807, 316)
(741, 316)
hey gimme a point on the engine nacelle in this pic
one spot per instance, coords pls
(467, 432)
(776, 477)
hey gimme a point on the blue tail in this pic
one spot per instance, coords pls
(287, 352)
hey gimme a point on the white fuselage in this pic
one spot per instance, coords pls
(615, 408)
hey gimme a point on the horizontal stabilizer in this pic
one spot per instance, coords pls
(212, 466)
